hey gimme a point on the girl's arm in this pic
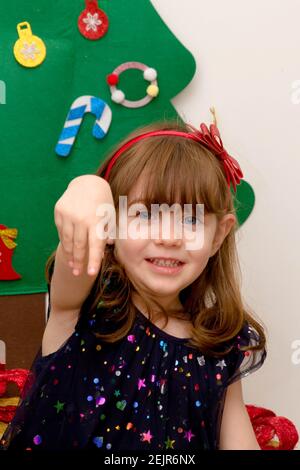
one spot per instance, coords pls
(78, 228)
(76, 220)
(236, 429)
(67, 294)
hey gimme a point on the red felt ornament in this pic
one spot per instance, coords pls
(272, 432)
(23, 379)
(18, 376)
(7, 413)
(93, 22)
(7, 246)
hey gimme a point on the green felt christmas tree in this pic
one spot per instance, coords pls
(38, 99)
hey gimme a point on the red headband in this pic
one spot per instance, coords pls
(209, 138)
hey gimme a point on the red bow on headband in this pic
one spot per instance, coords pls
(212, 139)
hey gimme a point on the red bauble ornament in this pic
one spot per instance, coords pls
(93, 22)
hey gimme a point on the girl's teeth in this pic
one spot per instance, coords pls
(164, 263)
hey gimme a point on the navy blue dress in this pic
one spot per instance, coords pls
(148, 391)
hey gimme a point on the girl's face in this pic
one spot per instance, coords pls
(134, 252)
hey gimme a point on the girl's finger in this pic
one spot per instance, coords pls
(96, 251)
(57, 219)
(67, 255)
(79, 247)
(66, 237)
(59, 226)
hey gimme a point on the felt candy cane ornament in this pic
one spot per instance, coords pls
(92, 22)
(82, 105)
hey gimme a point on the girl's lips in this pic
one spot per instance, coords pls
(166, 269)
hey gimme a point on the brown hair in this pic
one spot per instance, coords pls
(184, 171)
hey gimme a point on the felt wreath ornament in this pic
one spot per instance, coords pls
(118, 96)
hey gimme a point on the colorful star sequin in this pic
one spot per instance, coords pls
(169, 443)
(146, 436)
(189, 435)
(141, 383)
(59, 406)
(221, 364)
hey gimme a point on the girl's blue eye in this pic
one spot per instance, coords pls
(193, 217)
(147, 215)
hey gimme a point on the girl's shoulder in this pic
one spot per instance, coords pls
(245, 355)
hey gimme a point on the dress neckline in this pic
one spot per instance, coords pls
(159, 331)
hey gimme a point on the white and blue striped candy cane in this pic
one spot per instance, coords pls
(82, 105)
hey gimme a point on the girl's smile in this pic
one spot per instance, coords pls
(164, 267)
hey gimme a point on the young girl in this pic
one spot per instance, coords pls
(147, 339)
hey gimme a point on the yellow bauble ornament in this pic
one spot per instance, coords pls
(29, 50)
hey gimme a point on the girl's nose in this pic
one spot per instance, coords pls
(169, 232)
(168, 242)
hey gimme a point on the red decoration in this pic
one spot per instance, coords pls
(23, 379)
(112, 79)
(7, 246)
(212, 139)
(17, 376)
(272, 432)
(7, 413)
(93, 22)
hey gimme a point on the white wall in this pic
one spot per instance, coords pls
(248, 56)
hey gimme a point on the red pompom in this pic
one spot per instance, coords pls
(112, 79)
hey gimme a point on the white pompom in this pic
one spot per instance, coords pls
(118, 96)
(150, 74)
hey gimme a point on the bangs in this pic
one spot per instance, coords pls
(173, 170)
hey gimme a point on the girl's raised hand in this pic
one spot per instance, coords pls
(77, 222)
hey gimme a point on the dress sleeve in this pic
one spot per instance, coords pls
(241, 363)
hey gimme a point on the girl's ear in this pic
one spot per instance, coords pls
(224, 226)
